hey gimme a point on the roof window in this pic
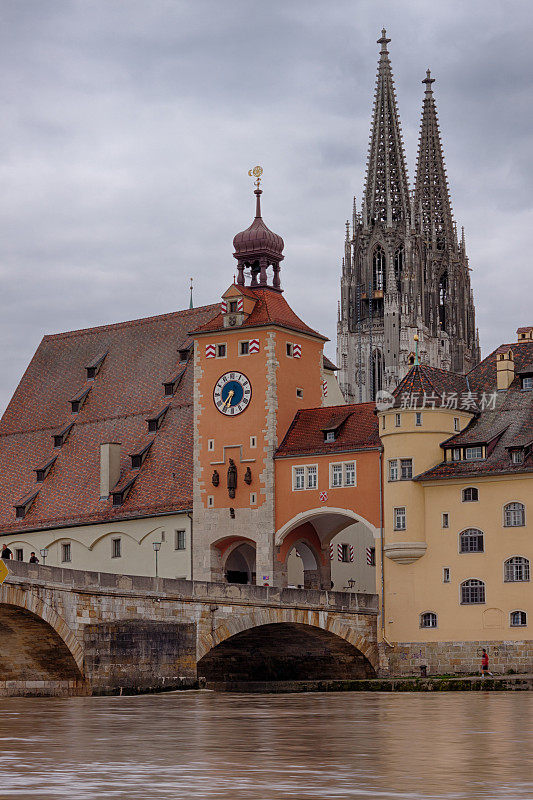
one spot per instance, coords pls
(79, 399)
(137, 458)
(61, 435)
(43, 469)
(93, 367)
(184, 353)
(24, 505)
(120, 492)
(155, 422)
(172, 383)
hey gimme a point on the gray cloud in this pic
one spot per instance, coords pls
(128, 128)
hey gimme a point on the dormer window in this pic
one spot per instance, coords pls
(329, 436)
(233, 306)
(137, 458)
(120, 493)
(527, 382)
(155, 422)
(473, 453)
(517, 456)
(172, 383)
(24, 505)
(43, 469)
(94, 366)
(184, 354)
(79, 399)
(61, 435)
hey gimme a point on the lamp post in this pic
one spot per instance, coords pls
(157, 548)
(44, 553)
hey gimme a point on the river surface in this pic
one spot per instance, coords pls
(268, 747)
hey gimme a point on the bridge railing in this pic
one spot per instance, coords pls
(201, 591)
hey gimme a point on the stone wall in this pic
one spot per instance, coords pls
(406, 658)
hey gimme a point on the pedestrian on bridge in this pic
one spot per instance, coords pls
(33, 558)
(6, 552)
(485, 664)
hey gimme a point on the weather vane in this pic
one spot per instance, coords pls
(256, 172)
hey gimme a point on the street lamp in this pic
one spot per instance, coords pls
(44, 553)
(157, 548)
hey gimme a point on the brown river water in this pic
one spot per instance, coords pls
(268, 747)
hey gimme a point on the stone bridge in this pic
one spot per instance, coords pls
(65, 631)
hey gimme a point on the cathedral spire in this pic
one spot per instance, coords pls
(386, 197)
(431, 184)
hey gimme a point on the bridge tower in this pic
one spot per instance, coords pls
(255, 365)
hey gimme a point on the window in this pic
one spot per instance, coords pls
(221, 351)
(470, 495)
(253, 499)
(312, 477)
(343, 475)
(244, 348)
(456, 454)
(428, 620)
(398, 420)
(289, 350)
(399, 519)
(210, 444)
(514, 515)
(233, 306)
(116, 548)
(516, 569)
(65, 552)
(393, 469)
(471, 541)
(19, 554)
(518, 619)
(445, 574)
(179, 540)
(349, 474)
(344, 553)
(336, 475)
(305, 477)
(473, 453)
(379, 269)
(418, 418)
(456, 424)
(253, 441)
(407, 468)
(517, 456)
(330, 436)
(472, 591)
(299, 393)
(527, 382)
(445, 520)
(210, 501)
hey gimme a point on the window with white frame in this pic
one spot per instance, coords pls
(516, 569)
(393, 469)
(514, 515)
(456, 424)
(517, 456)
(473, 453)
(329, 436)
(445, 574)
(472, 592)
(342, 475)
(418, 418)
(244, 348)
(456, 454)
(399, 519)
(470, 495)
(398, 420)
(428, 619)
(179, 540)
(221, 351)
(406, 469)
(518, 619)
(305, 477)
(471, 541)
(527, 382)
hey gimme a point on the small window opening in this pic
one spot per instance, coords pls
(244, 348)
(65, 552)
(179, 540)
(289, 350)
(19, 554)
(299, 393)
(221, 350)
(116, 548)
(446, 575)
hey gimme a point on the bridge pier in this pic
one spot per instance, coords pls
(74, 632)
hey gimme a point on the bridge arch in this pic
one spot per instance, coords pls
(37, 643)
(279, 645)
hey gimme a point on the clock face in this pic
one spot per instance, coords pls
(232, 393)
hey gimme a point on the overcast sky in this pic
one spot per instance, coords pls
(128, 128)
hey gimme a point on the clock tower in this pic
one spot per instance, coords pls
(255, 365)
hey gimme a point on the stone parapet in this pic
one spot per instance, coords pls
(407, 658)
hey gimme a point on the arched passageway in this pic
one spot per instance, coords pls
(240, 564)
(283, 652)
(31, 649)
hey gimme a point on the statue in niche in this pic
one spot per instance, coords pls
(232, 478)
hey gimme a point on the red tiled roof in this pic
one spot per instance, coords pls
(271, 308)
(328, 364)
(358, 430)
(426, 381)
(126, 391)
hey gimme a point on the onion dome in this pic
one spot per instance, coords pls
(257, 248)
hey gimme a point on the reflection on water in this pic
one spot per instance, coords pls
(237, 747)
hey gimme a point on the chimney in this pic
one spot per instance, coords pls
(525, 334)
(504, 369)
(109, 467)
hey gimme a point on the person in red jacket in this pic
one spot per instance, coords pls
(485, 664)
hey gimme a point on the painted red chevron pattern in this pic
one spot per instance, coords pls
(210, 351)
(224, 306)
(325, 388)
(339, 552)
(297, 350)
(240, 304)
(254, 346)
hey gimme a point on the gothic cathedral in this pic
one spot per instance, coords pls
(405, 270)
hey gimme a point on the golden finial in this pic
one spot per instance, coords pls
(256, 173)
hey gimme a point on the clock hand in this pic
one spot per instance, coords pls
(228, 398)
